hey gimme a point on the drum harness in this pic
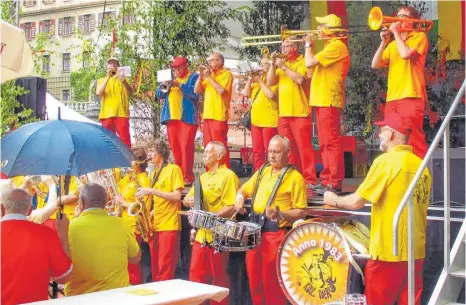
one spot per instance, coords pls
(262, 219)
(199, 204)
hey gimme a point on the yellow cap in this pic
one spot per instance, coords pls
(331, 20)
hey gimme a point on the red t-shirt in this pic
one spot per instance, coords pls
(31, 254)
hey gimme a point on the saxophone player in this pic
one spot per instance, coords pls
(165, 188)
(127, 187)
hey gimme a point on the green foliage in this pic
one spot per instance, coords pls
(81, 81)
(9, 104)
(267, 18)
(8, 9)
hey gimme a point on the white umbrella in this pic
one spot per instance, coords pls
(66, 113)
(15, 53)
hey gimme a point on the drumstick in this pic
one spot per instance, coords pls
(234, 215)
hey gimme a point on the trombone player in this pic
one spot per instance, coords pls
(328, 99)
(264, 112)
(294, 121)
(180, 114)
(405, 58)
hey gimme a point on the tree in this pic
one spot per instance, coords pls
(267, 18)
(147, 34)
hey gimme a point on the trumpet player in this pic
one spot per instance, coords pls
(165, 190)
(114, 91)
(216, 83)
(294, 121)
(180, 115)
(127, 187)
(327, 98)
(405, 58)
(264, 112)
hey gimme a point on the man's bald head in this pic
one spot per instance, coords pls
(16, 201)
(93, 195)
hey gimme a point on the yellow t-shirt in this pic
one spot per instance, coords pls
(68, 209)
(406, 76)
(218, 190)
(328, 80)
(127, 188)
(175, 99)
(100, 246)
(385, 185)
(292, 98)
(114, 100)
(217, 106)
(291, 194)
(166, 217)
(264, 111)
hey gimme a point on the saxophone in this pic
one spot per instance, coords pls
(138, 210)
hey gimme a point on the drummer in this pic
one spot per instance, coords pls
(287, 206)
(219, 187)
(385, 185)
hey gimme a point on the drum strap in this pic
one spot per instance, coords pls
(197, 194)
(272, 195)
(157, 175)
(349, 254)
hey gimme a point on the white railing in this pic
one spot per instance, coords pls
(444, 132)
(80, 107)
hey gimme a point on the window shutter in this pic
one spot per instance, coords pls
(81, 23)
(41, 26)
(92, 23)
(60, 26)
(73, 21)
(99, 20)
(52, 27)
(33, 30)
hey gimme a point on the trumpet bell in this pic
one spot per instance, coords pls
(134, 209)
(375, 19)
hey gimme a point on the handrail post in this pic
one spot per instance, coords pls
(446, 198)
(411, 254)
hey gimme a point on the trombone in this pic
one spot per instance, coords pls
(339, 33)
(377, 20)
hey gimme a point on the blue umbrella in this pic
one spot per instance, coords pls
(61, 147)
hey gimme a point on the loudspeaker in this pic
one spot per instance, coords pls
(457, 176)
(35, 99)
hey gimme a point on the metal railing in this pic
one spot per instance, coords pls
(444, 131)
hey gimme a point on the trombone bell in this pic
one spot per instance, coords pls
(377, 20)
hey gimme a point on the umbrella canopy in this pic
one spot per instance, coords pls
(15, 53)
(61, 147)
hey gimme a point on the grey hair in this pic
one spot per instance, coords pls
(219, 148)
(220, 56)
(283, 140)
(16, 201)
(94, 195)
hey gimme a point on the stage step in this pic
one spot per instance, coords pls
(458, 273)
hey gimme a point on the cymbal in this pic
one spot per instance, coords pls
(185, 213)
(326, 211)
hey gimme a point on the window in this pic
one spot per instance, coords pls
(48, 1)
(29, 3)
(128, 19)
(47, 27)
(29, 30)
(67, 26)
(104, 20)
(66, 96)
(66, 62)
(86, 59)
(46, 63)
(87, 24)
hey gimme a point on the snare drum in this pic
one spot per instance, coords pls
(201, 219)
(250, 239)
(228, 228)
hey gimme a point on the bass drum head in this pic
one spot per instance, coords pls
(312, 265)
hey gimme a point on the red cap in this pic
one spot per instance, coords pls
(179, 61)
(396, 123)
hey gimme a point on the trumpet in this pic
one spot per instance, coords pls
(113, 72)
(377, 20)
(165, 87)
(202, 65)
(339, 33)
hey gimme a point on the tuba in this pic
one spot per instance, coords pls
(106, 178)
(138, 210)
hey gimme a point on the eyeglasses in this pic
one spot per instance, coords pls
(287, 45)
(211, 60)
(402, 16)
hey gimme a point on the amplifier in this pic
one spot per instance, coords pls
(457, 176)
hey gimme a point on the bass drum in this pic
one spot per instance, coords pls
(316, 261)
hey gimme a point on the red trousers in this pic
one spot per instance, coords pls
(261, 265)
(119, 126)
(261, 137)
(208, 267)
(217, 131)
(299, 132)
(135, 270)
(331, 150)
(181, 137)
(164, 253)
(411, 109)
(387, 283)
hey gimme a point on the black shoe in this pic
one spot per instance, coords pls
(329, 188)
(314, 187)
